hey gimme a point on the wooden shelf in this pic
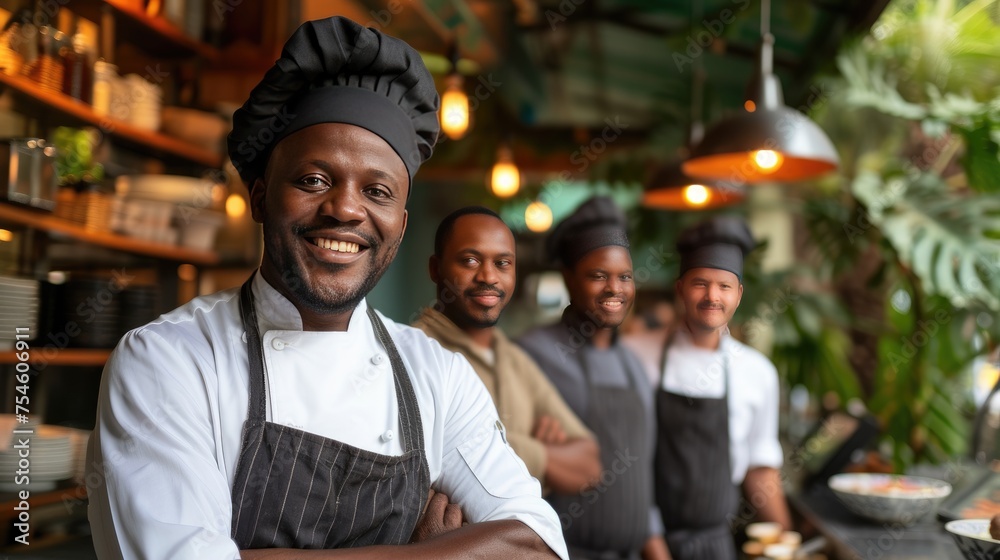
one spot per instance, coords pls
(80, 357)
(155, 35)
(41, 220)
(65, 492)
(34, 97)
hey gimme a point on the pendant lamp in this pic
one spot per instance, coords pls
(767, 141)
(454, 113)
(672, 189)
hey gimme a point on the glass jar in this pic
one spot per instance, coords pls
(105, 75)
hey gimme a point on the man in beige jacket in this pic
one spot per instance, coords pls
(473, 268)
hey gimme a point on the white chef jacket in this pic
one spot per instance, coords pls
(753, 395)
(174, 398)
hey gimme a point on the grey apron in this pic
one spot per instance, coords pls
(295, 489)
(694, 486)
(611, 520)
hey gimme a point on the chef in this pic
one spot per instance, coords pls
(717, 404)
(474, 269)
(605, 385)
(288, 414)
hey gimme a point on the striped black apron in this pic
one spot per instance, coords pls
(694, 485)
(295, 489)
(611, 520)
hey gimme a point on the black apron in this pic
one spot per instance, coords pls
(295, 489)
(611, 520)
(694, 486)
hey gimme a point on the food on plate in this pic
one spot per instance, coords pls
(983, 508)
(995, 527)
(892, 487)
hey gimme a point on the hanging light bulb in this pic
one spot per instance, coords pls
(671, 189)
(454, 108)
(505, 179)
(538, 217)
(769, 141)
(696, 195)
(767, 161)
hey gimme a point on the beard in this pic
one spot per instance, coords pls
(463, 312)
(348, 285)
(468, 321)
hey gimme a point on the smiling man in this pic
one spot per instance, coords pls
(604, 384)
(717, 405)
(473, 267)
(287, 414)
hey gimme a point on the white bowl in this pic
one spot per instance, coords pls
(973, 538)
(889, 498)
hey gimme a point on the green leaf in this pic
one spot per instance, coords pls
(982, 157)
(940, 235)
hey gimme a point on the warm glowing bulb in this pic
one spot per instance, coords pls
(538, 217)
(750, 106)
(235, 206)
(696, 195)
(6, 235)
(454, 109)
(506, 179)
(767, 161)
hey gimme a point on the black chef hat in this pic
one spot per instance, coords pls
(719, 242)
(336, 71)
(597, 223)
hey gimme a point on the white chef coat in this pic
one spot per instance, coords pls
(174, 399)
(753, 395)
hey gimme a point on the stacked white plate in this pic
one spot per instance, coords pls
(18, 309)
(79, 440)
(50, 459)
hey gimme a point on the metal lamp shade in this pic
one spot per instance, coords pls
(727, 151)
(666, 191)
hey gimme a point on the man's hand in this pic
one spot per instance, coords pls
(439, 517)
(549, 431)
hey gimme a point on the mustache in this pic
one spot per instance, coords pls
(711, 306)
(485, 290)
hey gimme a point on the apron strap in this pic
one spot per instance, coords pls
(257, 407)
(406, 399)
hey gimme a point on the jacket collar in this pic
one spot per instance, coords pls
(276, 313)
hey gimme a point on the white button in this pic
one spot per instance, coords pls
(388, 435)
(278, 344)
(377, 359)
(244, 337)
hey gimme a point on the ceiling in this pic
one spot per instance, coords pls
(556, 73)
